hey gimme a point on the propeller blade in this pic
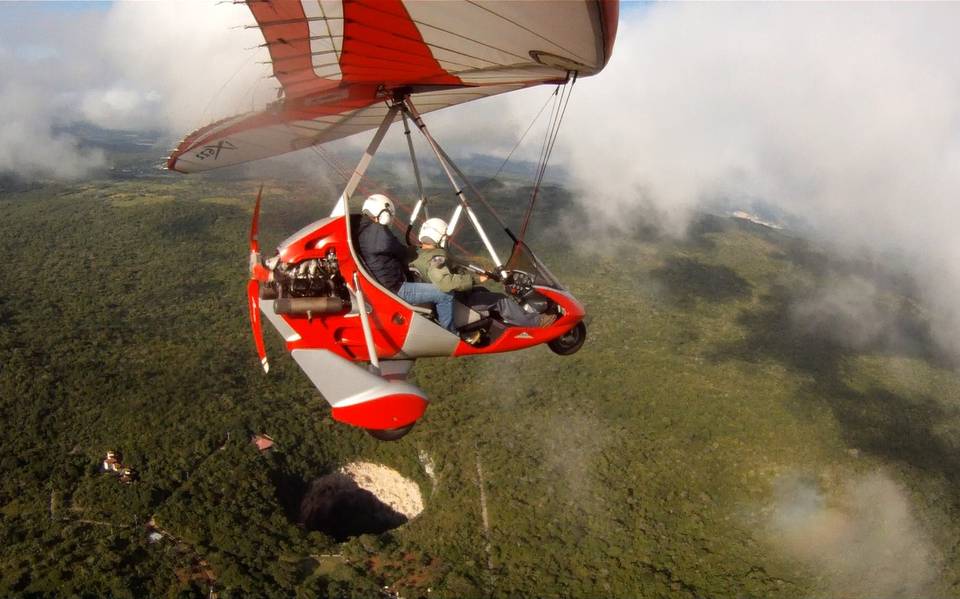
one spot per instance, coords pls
(253, 303)
(253, 286)
(255, 224)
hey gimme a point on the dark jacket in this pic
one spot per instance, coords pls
(383, 254)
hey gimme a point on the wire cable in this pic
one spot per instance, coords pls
(553, 134)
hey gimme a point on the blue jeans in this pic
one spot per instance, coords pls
(427, 293)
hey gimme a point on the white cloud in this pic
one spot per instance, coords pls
(29, 143)
(198, 56)
(844, 114)
(168, 65)
(120, 107)
(825, 109)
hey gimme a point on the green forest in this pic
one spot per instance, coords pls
(720, 434)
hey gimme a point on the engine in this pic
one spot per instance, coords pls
(312, 278)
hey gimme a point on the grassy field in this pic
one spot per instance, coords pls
(750, 416)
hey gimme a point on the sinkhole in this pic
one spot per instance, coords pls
(359, 498)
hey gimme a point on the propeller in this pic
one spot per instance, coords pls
(253, 286)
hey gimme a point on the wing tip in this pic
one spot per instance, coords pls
(171, 165)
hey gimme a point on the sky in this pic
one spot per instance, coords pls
(844, 115)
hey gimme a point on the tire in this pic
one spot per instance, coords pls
(390, 434)
(570, 342)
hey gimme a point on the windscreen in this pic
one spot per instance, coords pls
(525, 260)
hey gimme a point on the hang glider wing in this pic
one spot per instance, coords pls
(338, 61)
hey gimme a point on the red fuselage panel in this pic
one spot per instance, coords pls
(343, 333)
(389, 411)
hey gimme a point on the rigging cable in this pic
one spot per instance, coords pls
(475, 188)
(550, 141)
(520, 141)
(550, 124)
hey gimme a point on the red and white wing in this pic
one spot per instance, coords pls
(339, 60)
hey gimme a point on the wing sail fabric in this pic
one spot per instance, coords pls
(338, 61)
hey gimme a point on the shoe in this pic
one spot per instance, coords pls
(547, 319)
(472, 337)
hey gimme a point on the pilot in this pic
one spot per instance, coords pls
(434, 265)
(386, 259)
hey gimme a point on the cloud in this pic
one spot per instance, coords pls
(862, 538)
(172, 66)
(197, 56)
(29, 143)
(31, 151)
(120, 107)
(850, 312)
(825, 109)
(846, 116)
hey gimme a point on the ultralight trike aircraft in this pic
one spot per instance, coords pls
(347, 66)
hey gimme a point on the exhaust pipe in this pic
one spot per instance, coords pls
(308, 305)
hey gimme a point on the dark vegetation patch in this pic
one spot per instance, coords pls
(885, 423)
(189, 226)
(6, 314)
(687, 280)
(334, 504)
(700, 230)
(884, 273)
(817, 343)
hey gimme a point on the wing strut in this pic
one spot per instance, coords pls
(422, 200)
(341, 207)
(464, 205)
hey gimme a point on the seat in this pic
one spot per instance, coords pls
(428, 310)
(464, 315)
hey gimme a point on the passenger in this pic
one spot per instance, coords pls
(434, 265)
(386, 259)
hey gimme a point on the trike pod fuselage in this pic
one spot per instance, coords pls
(330, 344)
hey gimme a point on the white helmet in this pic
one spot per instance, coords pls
(433, 230)
(380, 208)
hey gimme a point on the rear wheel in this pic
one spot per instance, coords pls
(570, 342)
(389, 434)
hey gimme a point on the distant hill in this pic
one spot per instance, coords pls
(750, 416)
